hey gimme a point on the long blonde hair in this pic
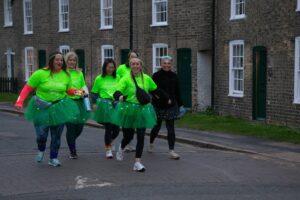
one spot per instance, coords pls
(72, 54)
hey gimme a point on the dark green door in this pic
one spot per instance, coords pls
(184, 61)
(259, 82)
(124, 55)
(81, 59)
(42, 58)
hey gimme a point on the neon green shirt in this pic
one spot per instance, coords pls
(77, 81)
(105, 86)
(123, 70)
(127, 86)
(50, 87)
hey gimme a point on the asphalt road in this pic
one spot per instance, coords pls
(199, 174)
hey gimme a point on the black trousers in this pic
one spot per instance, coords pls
(111, 133)
(170, 129)
(73, 132)
(128, 134)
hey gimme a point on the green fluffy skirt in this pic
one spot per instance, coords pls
(83, 115)
(61, 112)
(130, 115)
(104, 111)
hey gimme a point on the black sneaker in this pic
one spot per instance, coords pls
(73, 155)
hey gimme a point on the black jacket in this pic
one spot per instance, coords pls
(168, 88)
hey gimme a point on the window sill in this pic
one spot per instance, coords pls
(106, 28)
(8, 25)
(162, 24)
(236, 95)
(28, 33)
(237, 17)
(64, 31)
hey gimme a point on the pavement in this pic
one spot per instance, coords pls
(285, 152)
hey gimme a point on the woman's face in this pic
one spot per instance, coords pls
(71, 62)
(166, 64)
(135, 66)
(58, 61)
(110, 68)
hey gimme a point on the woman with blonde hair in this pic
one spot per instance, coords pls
(133, 113)
(75, 127)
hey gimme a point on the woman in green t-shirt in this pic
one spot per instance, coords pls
(102, 92)
(75, 127)
(131, 114)
(49, 109)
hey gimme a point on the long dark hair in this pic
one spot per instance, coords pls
(51, 62)
(106, 62)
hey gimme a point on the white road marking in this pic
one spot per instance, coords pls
(84, 182)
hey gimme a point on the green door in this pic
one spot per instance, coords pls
(259, 82)
(81, 59)
(42, 58)
(184, 61)
(124, 55)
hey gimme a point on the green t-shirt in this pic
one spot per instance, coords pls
(127, 86)
(123, 70)
(105, 86)
(50, 87)
(77, 81)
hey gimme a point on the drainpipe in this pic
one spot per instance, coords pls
(131, 25)
(213, 54)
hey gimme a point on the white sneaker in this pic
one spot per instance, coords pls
(109, 154)
(120, 153)
(174, 155)
(129, 148)
(150, 148)
(139, 167)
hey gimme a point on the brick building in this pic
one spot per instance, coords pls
(256, 71)
(242, 50)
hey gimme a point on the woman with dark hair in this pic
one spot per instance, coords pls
(102, 92)
(75, 127)
(132, 114)
(50, 108)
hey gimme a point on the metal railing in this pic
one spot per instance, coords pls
(8, 85)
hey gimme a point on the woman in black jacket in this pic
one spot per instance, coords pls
(166, 103)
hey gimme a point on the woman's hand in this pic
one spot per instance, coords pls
(121, 98)
(169, 101)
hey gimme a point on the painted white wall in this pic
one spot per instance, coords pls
(204, 66)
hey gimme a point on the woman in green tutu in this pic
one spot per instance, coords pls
(49, 109)
(75, 127)
(130, 113)
(102, 92)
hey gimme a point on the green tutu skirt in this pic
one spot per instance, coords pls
(61, 112)
(104, 111)
(83, 115)
(131, 115)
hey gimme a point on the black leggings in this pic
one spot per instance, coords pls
(73, 132)
(170, 129)
(128, 136)
(111, 133)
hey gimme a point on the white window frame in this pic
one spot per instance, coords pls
(29, 62)
(155, 22)
(298, 5)
(64, 19)
(234, 9)
(64, 49)
(104, 49)
(7, 6)
(158, 50)
(106, 13)
(234, 89)
(28, 22)
(297, 71)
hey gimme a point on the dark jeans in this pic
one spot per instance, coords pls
(73, 132)
(42, 135)
(111, 133)
(128, 136)
(170, 129)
